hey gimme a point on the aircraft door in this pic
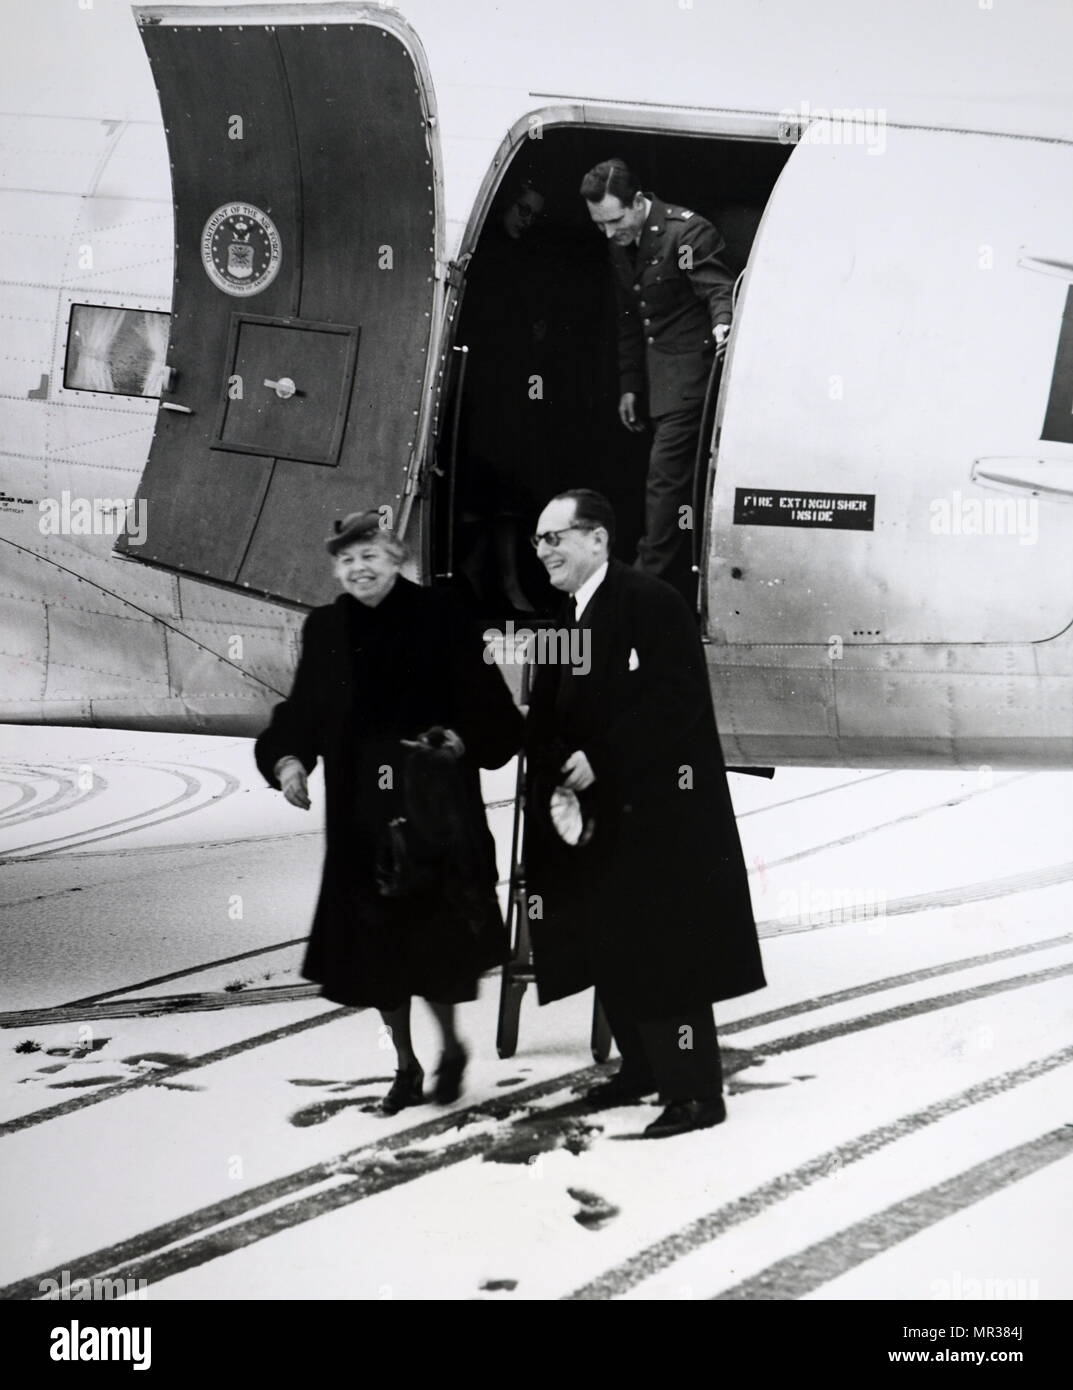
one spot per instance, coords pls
(884, 471)
(305, 231)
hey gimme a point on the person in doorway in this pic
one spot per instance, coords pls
(389, 673)
(674, 291)
(504, 326)
(643, 891)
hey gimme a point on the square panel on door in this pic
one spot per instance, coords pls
(295, 378)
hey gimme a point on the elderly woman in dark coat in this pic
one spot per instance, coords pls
(391, 673)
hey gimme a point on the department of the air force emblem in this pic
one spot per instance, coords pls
(240, 249)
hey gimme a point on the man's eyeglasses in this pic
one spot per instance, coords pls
(554, 538)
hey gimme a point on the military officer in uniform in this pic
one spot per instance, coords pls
(674, 292)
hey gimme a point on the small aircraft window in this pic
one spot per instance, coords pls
(120, 351)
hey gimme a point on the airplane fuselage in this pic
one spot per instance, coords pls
(884, 534)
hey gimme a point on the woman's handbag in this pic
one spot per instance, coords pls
(399, 871)
(432, 853)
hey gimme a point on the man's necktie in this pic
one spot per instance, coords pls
(564, 685)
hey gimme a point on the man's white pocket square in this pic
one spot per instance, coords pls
(634, 661)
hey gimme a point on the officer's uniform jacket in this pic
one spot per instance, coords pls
(672, 289)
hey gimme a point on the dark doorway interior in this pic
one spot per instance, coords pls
(539, 406)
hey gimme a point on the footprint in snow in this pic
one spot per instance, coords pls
(81, 1081)
(336, 1084)
(322, 1110)
(524, 1142)
(162, 1059)
(594, 1211)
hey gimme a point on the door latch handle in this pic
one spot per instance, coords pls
(284, 387)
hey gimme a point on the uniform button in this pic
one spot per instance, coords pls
(647, 322)
(651, 340)
(637, 289)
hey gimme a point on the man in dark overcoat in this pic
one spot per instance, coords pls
(674, 291)
(651, 903)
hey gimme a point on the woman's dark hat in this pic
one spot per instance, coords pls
(355, 528)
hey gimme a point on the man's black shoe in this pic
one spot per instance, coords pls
(681, 1116)
(624, 1088)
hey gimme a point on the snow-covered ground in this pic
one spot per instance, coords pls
(898, 1095)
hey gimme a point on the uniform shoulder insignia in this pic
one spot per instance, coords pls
(683, 213)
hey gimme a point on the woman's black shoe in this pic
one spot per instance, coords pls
(449, 1078)
(408, 1088)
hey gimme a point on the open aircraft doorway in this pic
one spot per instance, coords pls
(533, 406)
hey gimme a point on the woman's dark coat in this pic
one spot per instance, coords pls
(655, 910)
(367, 678)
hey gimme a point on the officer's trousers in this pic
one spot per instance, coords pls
(666, 547)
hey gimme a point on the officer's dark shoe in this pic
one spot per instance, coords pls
(408, 1088)
(626, 1087)
(681, 1116)
(449, 1077)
